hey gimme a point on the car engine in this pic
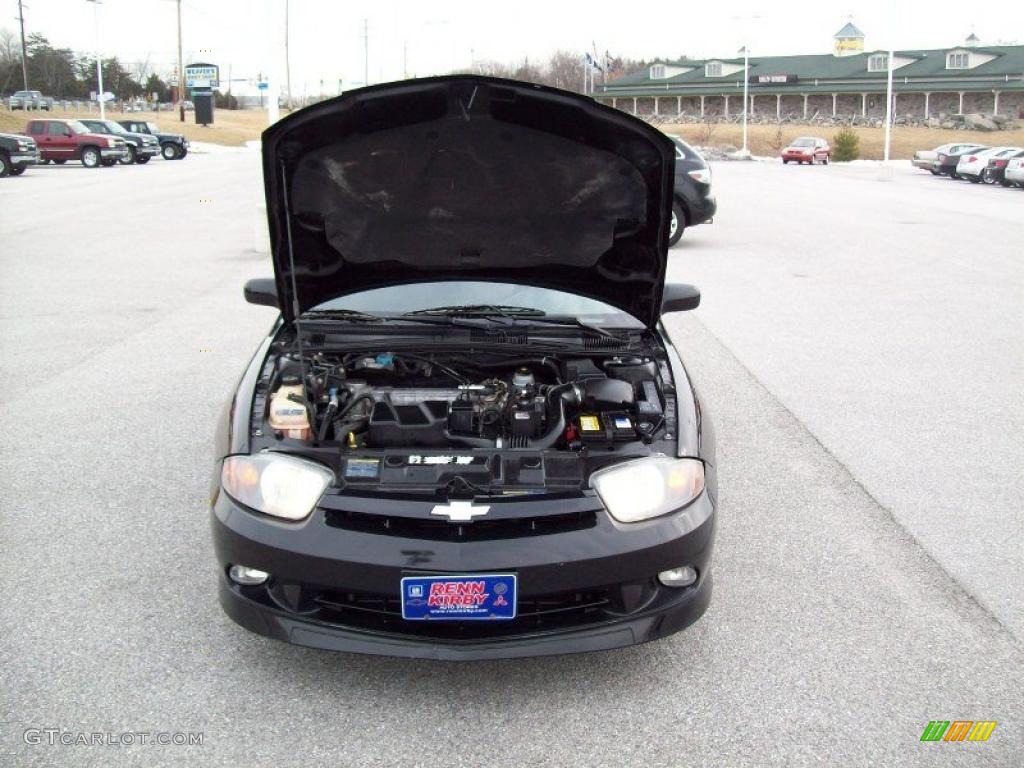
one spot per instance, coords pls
(386, 400)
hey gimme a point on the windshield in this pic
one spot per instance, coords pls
(153, 127)
(803, 143)
(400, 299)
(115, 127)
(77, 126)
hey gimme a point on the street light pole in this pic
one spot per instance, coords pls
(99, 57)
(746, 97)
(888, 104)
(181, 72)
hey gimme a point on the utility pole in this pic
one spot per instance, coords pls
(24, 53)
(405, 60)
(366, 52)
(287, 60)
(99, 58)
(181, 71)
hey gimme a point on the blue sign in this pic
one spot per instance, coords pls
(459, 598)
(263, 86)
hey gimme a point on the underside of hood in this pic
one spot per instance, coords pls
(468, 178)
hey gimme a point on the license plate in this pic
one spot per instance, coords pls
(481, 597)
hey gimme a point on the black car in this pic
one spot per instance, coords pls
(946, 162)
(16, 154)
(692, 201)
(173, 146)
(141, 146)
(467, 435)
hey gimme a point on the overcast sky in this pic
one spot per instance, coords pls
(426, 38)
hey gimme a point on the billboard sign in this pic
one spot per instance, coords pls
(202, 76)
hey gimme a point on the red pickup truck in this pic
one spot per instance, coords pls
(63, 140)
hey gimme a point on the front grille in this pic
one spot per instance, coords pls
(477, 530)
(383, 613)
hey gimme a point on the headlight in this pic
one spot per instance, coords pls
(703, 175)
(275, 484)
(646, 488)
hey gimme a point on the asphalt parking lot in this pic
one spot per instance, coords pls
(859, 344)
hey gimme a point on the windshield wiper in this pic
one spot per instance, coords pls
(343, 314)
(481, 310)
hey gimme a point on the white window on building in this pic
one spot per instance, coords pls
(879, 62)
(958, 60)
(657, 71)
(713, 69)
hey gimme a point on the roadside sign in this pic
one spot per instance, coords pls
(263, 86)
(202, 76)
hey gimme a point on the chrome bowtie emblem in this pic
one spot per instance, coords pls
(459, 511)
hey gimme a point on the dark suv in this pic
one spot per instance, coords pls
(141, 146)
(692, 201)
(173, 146)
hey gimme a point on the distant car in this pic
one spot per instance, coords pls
(692, 201)
(63, 140)
(141, 146)
(808, 149)
(16, 154)
(173, 146)
(946, 162)
(29, 100)
(972, 164)
(1015, 171)
(995, 171)
(925, 159)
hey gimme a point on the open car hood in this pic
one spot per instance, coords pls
(468, 178)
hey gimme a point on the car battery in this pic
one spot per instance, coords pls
(605, 428)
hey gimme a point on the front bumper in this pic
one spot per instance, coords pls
(338, 589)
(114, 153)
(148, 150)
(799, 156)
(21, 159)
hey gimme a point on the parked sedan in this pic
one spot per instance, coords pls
(808, 149)
(972, 164)
(926, 159)
(548, 487)
(946, 162)
(995, 171)
(1015, 171)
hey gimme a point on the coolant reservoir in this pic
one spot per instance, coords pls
(287, 410)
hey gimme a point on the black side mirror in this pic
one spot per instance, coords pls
(262, 291)
(680, 297)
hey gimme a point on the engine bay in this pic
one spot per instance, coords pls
(480, 420)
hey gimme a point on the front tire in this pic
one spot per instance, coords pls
(17, 171)
(974, 179)
(131, 159)
(785, 161)
(824, 160)
(169, 152)
(142, 159)
(5, 165)
(678, 225)
(91, 157)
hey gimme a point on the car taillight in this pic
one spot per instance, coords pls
(970, 158)
(999, 164)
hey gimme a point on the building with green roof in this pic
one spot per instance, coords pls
(847, 83)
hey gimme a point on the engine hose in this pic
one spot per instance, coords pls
(556, 399)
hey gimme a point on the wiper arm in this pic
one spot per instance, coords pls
(481, 310)
(343, 314)
(575, 321)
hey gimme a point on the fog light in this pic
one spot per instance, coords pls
(683, 576)
(247, 577)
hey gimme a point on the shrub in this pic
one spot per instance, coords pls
(845, 145)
